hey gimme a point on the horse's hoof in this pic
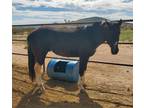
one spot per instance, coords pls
(39, 89)
(35, 90)
(82, 90)
(42, 89)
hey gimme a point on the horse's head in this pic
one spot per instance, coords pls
(112, 35)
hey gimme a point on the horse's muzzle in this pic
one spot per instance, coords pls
(114, 50)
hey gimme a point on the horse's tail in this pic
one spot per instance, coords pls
(31, 63)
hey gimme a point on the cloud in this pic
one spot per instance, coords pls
(75, 4)
(48, 11)
(126, 1)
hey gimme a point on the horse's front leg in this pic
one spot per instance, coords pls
(82, 66)
(38, 80)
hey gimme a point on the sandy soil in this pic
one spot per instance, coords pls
(108, 86)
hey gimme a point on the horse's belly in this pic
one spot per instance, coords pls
(67, 53)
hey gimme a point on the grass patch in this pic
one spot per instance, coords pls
(20, 31)
(126, 35)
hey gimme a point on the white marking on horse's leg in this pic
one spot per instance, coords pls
(83, 79)
(80, 84)
(39, 81)
(37, 68)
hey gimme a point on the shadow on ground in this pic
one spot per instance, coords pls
(34, 101)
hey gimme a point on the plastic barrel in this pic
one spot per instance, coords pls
(67, 70)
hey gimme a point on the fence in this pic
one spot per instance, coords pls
(71, 23)
(124, 43)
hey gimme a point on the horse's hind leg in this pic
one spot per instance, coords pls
(38, 80)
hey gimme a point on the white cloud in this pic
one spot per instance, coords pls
(75, 9)
(94, 4)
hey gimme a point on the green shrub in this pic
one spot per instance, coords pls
(126, 34)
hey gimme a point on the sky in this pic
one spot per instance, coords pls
(56, 11)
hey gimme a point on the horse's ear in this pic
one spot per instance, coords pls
(120, 21)
(104, 23)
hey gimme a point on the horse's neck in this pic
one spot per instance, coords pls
(94, 35)
(98, 42)
(97, 38)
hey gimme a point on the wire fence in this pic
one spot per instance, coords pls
(122, 43)
(71, 23)
(91, 61)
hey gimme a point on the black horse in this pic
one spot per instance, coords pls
(81, 43)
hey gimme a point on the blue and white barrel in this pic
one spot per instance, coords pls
(67, 70)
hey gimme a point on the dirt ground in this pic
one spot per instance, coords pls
(108, 86)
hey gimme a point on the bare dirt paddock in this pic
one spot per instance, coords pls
(108, 86)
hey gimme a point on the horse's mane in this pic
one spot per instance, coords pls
(94, 26)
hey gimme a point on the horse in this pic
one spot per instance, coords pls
(81, 43)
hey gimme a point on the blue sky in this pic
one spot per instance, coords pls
(51, 11)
